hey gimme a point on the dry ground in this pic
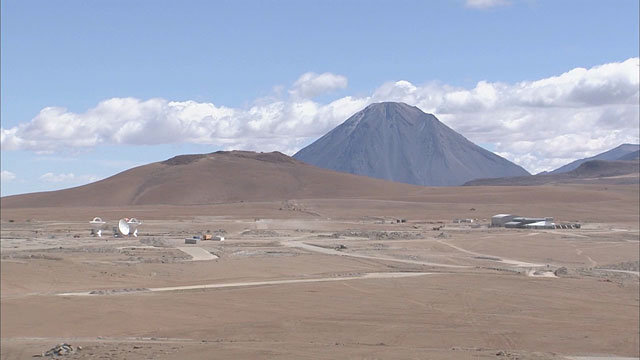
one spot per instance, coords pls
(306, 282)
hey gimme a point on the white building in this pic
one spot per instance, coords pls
(501, 219)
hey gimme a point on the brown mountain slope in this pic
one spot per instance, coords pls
(214, 178)
(590, 172)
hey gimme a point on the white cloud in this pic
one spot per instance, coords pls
(310, 84)
(69, 178)
(484, 4)
(7, 175)
(538, 124)
(51, 177)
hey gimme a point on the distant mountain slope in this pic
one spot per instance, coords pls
(631, 156)
(398, 142)
(214, 178)
(593, 172)
(613, 154)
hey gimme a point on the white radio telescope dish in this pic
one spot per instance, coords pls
(123, 227)
(133, 226)
(96, 225)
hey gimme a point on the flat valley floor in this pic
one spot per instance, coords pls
(330, 279)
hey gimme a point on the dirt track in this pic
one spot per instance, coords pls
(391, 275)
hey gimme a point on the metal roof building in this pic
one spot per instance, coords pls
(541, 225)
(501, 219)
(515, 221)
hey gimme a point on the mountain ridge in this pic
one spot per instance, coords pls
(223, 176)
(592, 171)
(613, 154)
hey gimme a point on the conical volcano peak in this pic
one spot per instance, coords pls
(394, 111)
(399, 142)
(391, 115)
(389, 106)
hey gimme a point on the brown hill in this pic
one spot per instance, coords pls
(214, 178)
(590, 172)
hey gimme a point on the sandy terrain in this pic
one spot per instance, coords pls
(330, 278)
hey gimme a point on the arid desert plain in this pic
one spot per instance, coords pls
(352, 278)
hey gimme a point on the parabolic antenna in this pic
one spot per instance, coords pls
(133, 226)
(96, 225)
(123, 227)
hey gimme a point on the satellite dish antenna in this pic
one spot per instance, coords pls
(96, 225)
(133, 226)
(123, 227)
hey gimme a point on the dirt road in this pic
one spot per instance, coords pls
(318, 249)
(390, 275)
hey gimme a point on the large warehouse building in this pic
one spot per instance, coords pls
(514, 221)
(501, 219)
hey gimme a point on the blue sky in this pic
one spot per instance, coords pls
(247, 59)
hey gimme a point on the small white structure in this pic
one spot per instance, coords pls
(218, 238)
(133, 226)
(96, 226)
(460, 221)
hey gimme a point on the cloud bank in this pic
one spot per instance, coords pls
(539, 124)
(68, 178)
(7, 175)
